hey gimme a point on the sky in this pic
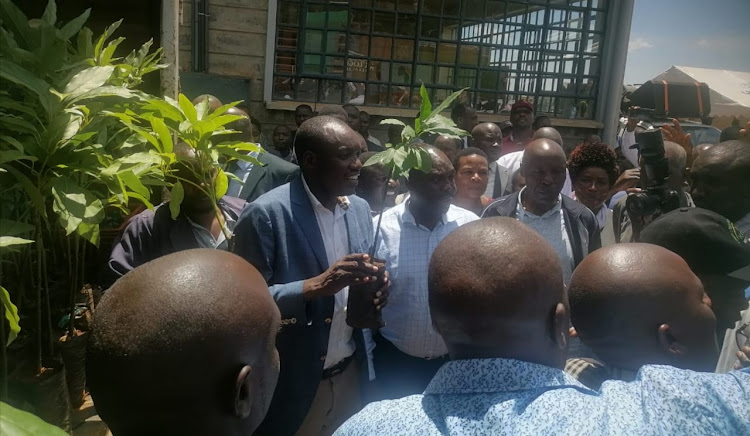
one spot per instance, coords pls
(694, 33)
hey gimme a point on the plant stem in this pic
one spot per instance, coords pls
(374, 247)
(39, 248)
(3, 352)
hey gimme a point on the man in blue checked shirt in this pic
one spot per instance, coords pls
(506, 332)
(409, 351)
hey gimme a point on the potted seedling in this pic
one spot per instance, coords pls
(399, 159)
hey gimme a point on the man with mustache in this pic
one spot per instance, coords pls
(408, 350)
(570, 227)
(308, 238)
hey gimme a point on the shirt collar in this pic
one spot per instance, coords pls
(408, 218)
(496, 375)
(521, 212)
(341, 206)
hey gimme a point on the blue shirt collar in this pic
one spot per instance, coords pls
(496, 375)
(520, 211)
(408, 218)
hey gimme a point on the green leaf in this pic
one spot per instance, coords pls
(188, 109)
(89, 232)
(32, 192)
(384, 157)
(84, 42)
(106, 56)
(50, 13)
(14, 155)
(143, 200)
(132, 182)
(408, 134)
(393, 122)
(75, 205)
(222, 183)
(103, 38)
(104, 91)
(22, 77)
(13, 228)
(11, 314)
(426, 160)
(16, 422)
(447, 102)
(87, 80)
(10, 241)
(178, 194)
(426, 108)
(164, 136)
(16, 21)
(74, 26)
(166, 109)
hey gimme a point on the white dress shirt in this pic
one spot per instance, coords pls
(407, 247)
(335, 236)
(206, 239)
(551, 226)
(512, 161)
(235, 187)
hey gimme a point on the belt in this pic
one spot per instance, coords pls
(337, 368)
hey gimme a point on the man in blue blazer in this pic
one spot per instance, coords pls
(308, 238)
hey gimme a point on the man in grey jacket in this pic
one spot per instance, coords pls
(568, 226)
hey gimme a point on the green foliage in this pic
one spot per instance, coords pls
(11, 314)
(406, 155)
(14, 422)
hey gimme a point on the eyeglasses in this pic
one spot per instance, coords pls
(742, 335)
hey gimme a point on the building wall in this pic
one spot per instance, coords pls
(237, 48)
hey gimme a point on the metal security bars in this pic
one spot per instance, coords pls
(378, 52)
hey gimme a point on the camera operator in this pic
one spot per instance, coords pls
(627, 226)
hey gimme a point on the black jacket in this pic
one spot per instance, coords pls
(580, 222)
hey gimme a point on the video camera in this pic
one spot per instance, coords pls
(657, 198)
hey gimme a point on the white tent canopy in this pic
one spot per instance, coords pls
(729, 90)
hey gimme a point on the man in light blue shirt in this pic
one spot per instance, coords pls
(506, 333)
(409, 351)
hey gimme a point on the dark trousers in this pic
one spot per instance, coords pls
(398, 374)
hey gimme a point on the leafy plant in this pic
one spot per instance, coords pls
(407, 155)
(59, 147)
(16, 422)
(209, 142)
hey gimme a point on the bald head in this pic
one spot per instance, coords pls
(489, 138)
(334, 111)
(543, 168)
(698, 149)
(677, 158)
(548, 133)
(721, 179)
(242, 125)
(637, 304)
(449, 146)
(480, 310)
(212, 102)
(196, 331)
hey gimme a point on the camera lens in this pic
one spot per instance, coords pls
(642, 204)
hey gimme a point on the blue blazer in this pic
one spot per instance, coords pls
(278, 233)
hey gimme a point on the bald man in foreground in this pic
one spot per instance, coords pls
(635, 305)
(570, 227)
(506, 333)
(185, 344)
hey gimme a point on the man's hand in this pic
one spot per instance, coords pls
(744, 356)
(347, 271)
(381, 296)
(628, 179)
(675, 133)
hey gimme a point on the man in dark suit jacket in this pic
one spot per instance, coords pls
(541, 206)
(153, 233)
(489, 138)
(307, 239)
(259, 179)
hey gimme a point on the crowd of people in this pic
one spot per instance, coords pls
(520, 294)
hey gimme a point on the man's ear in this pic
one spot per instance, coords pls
(309, 159)
(669, 343)
(561, 326)
(243, 400)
